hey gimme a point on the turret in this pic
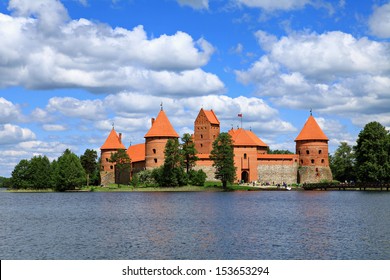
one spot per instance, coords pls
(156, 138)
(107, 169)
(312, 149)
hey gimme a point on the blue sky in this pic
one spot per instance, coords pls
(71, 68)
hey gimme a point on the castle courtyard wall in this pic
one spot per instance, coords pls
(278, 171)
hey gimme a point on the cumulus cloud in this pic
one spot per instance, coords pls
(195, 4)
(328, 55)
(49, 13)
(332, 72)
(11, 134)
(73, 107)
(8, 111)
(379, 22)
(97, 57)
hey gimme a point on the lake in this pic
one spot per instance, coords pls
(196, 225)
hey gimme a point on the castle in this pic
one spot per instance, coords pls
(309, 164)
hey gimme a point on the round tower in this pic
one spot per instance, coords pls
(156, 139)
(312, 149)
(107, 169)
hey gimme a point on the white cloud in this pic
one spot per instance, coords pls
(49, 13)
(50, 149)
(330, 55)
(333, 73)
(379, 22)
(11, 134)
(271, 5)
(195, 4)
(73, 107)
(8, 111)
(94, 56)
(54, 127)
(40, 115)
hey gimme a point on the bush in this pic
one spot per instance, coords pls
(146, 178)
(197, 178)
(166, 177)
(134, 181)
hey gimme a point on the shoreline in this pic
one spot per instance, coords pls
(234, 188)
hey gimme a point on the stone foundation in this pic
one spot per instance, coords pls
(209, 170)
(107, 177)
(278, 173)
(314, 174)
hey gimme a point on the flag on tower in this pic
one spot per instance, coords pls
(240, 115)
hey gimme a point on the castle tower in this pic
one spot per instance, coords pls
(107, 169)
(312, 149)
(206, 130)
(156, 139)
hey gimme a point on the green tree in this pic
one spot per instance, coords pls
(223, 156)
(146, 178)
(89, 163)
(71, 174)
(188, 152)
(122, 166)
(284, 152)
(171, 173)
(21, 176)
(5, 182)
(197, 178)
(40, 172)
(342, 163)
(372, 153)
(54, 175)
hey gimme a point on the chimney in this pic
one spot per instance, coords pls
(120, 137)
(152, 121)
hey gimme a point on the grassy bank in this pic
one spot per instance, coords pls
(208, 187)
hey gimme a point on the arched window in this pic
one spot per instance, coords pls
(155, 160)
(154, 151)
(244, 156)
(320, 152)
(307, 152)
(201, 136)
(312, 161)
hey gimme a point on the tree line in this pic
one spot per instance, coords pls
(70, 172)
(368, 160)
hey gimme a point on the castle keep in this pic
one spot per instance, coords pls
(309, 164)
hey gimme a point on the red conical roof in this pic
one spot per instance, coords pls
(161, 127)
(311, 131)
(112, 142)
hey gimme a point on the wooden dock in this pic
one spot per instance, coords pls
(348, 186)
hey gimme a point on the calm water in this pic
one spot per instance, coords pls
(239, 225)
